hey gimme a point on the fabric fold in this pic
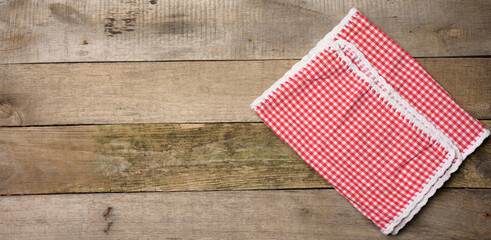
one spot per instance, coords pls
(361, 112)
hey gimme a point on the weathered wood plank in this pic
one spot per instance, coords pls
(299, 214)
(139, 30)
(159, 92)
(168, 157)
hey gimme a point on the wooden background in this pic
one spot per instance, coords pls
(126, 119)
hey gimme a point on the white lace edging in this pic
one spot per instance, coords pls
(407, 111)
(484, 134)
(398, 103)
(476, 143)
(457, 161)
(397, 106)
(321, 45)
(411, 110)
(402, 102)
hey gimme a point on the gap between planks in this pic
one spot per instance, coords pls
(169, 157)
(137, 30)
(170, 92)
(304, 214)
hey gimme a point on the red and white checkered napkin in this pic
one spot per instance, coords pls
(371, 121)
(411, 80)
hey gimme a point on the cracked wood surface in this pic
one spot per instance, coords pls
(211, 154)
(169, 157)
(288, 214)
(33, 31)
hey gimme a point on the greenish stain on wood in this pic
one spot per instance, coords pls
(195, 155)
(169, 157)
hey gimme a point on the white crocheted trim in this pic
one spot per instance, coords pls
(399, 104)
(393, 101)
(454, 158)
(480, 138)
(371, 72)
(306, 59)
(367, 66)
(476, 143)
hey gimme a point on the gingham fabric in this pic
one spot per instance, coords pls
(371, 121)
(412, 81)
(365, 67)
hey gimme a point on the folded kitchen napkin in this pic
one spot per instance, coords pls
(371, 121)
(399, 70)
(411, 80)
(361, 63)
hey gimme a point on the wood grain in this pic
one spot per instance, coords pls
(299, 214)
(170, 92)
(168, 157)
(142, 30)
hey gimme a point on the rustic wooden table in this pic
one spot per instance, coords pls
(126, 119)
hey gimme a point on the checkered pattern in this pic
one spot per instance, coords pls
(371, 121)
(350, 135)
(412, 81)
(360, 62)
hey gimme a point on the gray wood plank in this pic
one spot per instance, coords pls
(139, 30)
(169, 157)
(201, 91)
(299, 214)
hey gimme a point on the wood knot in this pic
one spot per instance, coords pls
(450, 32)
(306, 212)
(6, 110)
